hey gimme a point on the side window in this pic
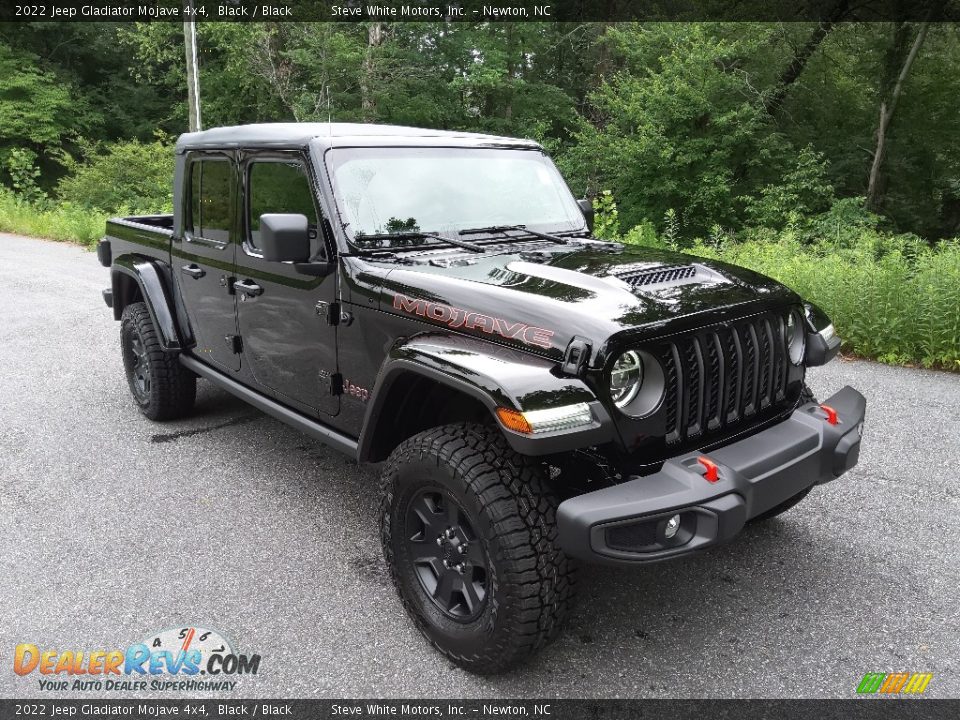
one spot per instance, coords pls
(278, 187)
(210, 199)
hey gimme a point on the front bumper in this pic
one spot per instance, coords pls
(626, 523)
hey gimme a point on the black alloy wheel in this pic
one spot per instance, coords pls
(139, 368)
(447, 555)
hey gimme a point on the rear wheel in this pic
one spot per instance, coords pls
(469, 534)
(162, 388)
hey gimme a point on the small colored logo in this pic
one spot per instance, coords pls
(899, 683)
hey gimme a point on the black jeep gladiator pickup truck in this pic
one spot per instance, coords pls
(434, 301)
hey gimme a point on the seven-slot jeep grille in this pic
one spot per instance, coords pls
(719, 377)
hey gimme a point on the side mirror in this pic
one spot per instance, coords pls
(285, 237)
(586, 207)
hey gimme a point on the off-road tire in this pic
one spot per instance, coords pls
(806, 396)
(162, 388)
(506, 497)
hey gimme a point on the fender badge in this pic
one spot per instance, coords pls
(457, 318)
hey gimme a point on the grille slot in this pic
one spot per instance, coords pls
(719, 377)
(657, 276)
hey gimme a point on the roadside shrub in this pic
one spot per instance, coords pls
(21, 168)
(803, 192)
(131, 175)
(66, 221)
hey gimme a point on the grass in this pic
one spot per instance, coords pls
(65, 222)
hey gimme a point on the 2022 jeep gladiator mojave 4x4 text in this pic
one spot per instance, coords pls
(434, 301)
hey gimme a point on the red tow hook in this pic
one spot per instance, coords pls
(712, 471)
(831, 414)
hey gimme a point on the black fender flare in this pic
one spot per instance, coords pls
(149, 277)
(496, 376)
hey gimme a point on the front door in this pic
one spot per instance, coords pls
(289, 347)
(204, 257)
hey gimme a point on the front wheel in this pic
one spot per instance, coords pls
(469, 533)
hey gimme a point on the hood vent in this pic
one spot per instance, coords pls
(656, 276)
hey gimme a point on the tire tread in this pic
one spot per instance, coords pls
(173, 388)
(522, 508)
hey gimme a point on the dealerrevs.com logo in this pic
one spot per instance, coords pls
(185, 659)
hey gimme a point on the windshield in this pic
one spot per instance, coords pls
(386, 191)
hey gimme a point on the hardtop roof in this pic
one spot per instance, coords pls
(299, 135)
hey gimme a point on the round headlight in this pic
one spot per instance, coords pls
(626, 378)
(796, 337)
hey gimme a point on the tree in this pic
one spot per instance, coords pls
(682, 125)
(890, 96)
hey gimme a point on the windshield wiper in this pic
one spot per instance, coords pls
(504, 229)
(406, 235)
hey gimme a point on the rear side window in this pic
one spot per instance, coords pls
(278, 187)
(210, 199)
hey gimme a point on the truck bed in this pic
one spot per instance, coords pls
(152, 233)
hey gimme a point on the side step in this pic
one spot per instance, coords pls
(306, 425)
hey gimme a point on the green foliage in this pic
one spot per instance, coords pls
(676, 129)
(606, 224)
(644, 234)
(65, 221)
(606, 217)
(38, 117)
(666, 115)
(134, 175)
(20, 165)
(804, 190)
(671, 228)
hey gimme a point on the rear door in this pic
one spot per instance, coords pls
(204, 257)
(289, 345)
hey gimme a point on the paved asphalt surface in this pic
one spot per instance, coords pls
(113, 527)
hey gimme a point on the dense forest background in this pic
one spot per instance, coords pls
(831, 144)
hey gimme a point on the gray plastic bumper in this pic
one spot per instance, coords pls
(627, 523)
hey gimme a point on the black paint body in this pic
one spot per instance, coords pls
(336, 343)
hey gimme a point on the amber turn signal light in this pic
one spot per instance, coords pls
(513, 420)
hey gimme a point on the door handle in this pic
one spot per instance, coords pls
(248, 287)
(193, 271)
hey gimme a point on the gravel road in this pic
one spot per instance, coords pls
(113, 527)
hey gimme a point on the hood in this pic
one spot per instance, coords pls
(538, 297)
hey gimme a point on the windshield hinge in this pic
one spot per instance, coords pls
(235, 343)
(329, 311)
(575, 357)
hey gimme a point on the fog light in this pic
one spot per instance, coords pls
(672, 526)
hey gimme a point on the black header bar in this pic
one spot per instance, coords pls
(478, 10)
(873, 708)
